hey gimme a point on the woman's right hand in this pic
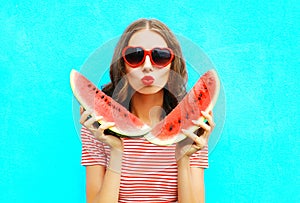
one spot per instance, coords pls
(87, 119)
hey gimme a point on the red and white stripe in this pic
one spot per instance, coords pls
(149, 172)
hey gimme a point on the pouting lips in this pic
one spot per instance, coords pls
(147, 80)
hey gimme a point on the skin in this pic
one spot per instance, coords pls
(147, 97)
(134, 75)
(102, 185)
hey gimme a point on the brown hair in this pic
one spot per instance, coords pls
(174, 89)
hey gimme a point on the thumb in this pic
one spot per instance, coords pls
(81, 110)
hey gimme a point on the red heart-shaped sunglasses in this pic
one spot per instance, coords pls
(159, 57)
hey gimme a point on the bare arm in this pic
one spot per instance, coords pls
(190, 182)
(94, 179)
(198, 183)
(103, 185)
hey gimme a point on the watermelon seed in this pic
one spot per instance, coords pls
(171, 127)
(89, 85)
(102, 96)
(97, 92)
(105, 99)
(200, 95)
(179, 121)
(187, 116)
(94, 88)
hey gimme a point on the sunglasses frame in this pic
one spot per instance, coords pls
(149, 53)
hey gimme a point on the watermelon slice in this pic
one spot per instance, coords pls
(202, 96)
(96, 101)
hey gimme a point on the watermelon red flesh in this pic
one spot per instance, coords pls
(202, 97)
(96, 101)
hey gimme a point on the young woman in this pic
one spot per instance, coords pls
(133, 169)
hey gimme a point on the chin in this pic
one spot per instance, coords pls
(149, 90)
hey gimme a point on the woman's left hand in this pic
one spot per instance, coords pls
(193, 142)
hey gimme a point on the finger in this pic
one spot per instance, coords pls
(200, 143)
(206, 118)
(209, 118)
(89, 122)
(189, 134)
(84, 116)
(206, 115)
(198, 147)
(205, 126)
(107, 125)
(202, 124)
(96, 130)
(96, 124)
(197, 122)
(98, 118)
(81, 110)
(98, 133)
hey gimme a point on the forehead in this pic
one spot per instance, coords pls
(147, 39)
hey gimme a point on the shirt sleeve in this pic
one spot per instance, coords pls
(93, 151)
(200, 158)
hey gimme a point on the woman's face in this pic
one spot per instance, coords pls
(146, 78)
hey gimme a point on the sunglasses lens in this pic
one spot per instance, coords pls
(161, 57)
(134, 55)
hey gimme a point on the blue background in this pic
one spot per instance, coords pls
(254, 47)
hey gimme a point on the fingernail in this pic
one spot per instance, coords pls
(184, 130)
(195, 122)
(97, 118)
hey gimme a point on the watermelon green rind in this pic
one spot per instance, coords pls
(160, 135)
(167, 131)
(96, 101)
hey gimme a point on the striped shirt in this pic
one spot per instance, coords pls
(149, 172)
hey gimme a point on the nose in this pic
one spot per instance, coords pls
(147, 66)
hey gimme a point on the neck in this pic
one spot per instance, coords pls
(147, 107)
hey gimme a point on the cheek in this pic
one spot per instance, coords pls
(127, 68)
(131, 73)
(134, 78)
(164, 73)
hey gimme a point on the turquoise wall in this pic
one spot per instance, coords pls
(254, 47)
